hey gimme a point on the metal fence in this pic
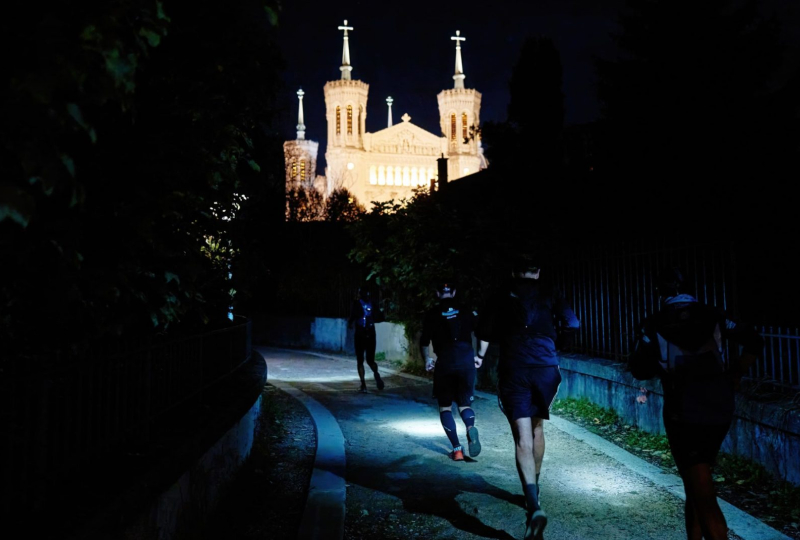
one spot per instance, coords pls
(780, 363)
(60, 419)
(612, 289)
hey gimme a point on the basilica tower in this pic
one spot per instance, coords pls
(346, 112)
(300, 155)
(459, 118)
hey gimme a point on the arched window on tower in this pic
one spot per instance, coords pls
(360, 117)
(452, 126)
(302, 171)
(294, 169)
(349, 119)
(338, 120)
(464, 130)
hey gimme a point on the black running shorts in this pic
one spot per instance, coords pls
(528, 392)
(457, 385)
(694, 443)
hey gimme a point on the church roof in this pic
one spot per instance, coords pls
(405, 137)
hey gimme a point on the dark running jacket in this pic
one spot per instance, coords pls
(523, 323)
(683, 344)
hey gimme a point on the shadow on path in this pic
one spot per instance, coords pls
(423, 492)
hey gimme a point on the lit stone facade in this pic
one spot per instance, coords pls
(459, 116)
(390, 163)
(300, 157)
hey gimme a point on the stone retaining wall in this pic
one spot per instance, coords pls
(767, 433)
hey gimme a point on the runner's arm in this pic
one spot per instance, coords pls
(745, 335)
(565, 313)
(424, 342)
(643, 361)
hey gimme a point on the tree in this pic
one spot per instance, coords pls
(535, 113)
(304, 203)
(341, 205)
(127, 141)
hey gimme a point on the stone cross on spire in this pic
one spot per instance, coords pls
(301, 127)
(389, 102)
(346, 68)
(459, 76)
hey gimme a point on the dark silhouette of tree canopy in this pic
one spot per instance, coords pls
(695, 110)
(132, 135)
(526, 152)
(304, 203)
(342, 205)
(535, 113)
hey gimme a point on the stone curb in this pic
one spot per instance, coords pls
(323, 516)
(740, 522)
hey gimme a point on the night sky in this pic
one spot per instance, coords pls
(403, 49)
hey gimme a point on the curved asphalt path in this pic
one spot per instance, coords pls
(324, 513)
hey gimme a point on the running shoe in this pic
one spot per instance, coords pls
(363, 388)
(474, 441)
(457, 455)
(535, 524)
(379, 381)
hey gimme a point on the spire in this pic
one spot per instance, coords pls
(301, 127)
(389, 102)
(459, 76)
(346, 68)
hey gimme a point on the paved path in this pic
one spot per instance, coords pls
(400, 483)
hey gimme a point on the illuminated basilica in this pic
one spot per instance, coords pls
(389, 163)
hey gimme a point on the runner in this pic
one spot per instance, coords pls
(449, 325)
(363, 316)
(521, 322)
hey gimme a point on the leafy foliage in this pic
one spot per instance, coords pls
(304, 203)
(127, 141)
(407, 246)
(342, 205)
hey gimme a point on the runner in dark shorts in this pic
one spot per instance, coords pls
(454, 386)
(521, 322)
(449, 326)
(530, 393)
(682, 344)
(693, 444)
